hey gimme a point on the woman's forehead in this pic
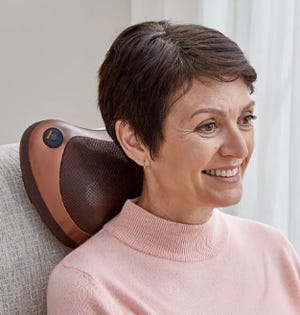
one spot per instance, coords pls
(213, 96)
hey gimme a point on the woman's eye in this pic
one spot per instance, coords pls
(207, 128)
(247, 121)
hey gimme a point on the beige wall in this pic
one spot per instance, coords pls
(50, 51)
(180, 11)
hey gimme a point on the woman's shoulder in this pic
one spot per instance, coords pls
(85, 259)
(249, 231)
(75, 286)
(246, 223)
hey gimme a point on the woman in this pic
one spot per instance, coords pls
(177, 100)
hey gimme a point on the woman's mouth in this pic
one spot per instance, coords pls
(231, 175)
(222, 173)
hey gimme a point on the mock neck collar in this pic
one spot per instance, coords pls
(158, 237)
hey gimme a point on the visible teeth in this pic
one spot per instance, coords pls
(223, 173)
(235, 171)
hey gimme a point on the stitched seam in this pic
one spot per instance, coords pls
(85, 274)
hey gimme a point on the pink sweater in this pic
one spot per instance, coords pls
(142, 264)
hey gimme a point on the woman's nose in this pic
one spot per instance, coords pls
(234, 144)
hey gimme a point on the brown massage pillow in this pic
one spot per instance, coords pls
(76, 178)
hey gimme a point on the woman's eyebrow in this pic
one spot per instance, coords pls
(249, 105)
(219, 111)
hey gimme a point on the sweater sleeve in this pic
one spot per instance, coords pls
(290, 267)
(72, 291)
(295, 260)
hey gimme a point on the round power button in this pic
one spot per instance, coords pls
(53, 137)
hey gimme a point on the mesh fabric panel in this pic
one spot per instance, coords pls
(96, 178)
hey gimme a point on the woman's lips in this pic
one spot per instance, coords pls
(231, 176)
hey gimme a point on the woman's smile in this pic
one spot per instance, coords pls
(230, 175)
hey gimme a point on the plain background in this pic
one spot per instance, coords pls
(50, 52)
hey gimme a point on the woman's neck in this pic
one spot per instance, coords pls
(173, 208)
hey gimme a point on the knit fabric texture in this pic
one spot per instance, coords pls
(28, 249)
(142, 264)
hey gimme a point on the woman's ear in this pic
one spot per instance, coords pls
(131, 144)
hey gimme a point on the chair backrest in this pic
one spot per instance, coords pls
(28, 250)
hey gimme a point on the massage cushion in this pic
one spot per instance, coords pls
(76, 178)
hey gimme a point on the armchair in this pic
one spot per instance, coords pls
(28, 249)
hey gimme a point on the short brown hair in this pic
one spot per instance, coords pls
(151, 61)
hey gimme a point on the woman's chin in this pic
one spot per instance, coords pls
(229, 199)
(229, 203)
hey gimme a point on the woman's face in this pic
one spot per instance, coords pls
(209, 140)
